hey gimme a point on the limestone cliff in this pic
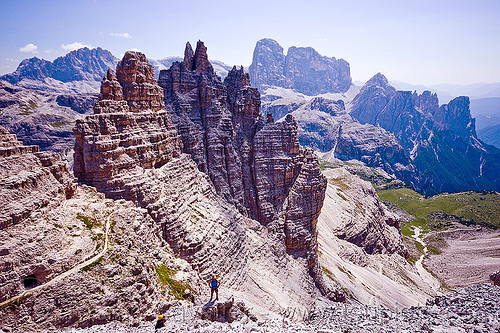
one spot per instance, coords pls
(130, 149)
(440, 140)
(29, 179)
(254, 164)
(302, 69)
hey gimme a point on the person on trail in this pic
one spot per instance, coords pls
(161, 322)
(214, 286)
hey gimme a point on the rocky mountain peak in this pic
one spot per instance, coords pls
(32, 68)
(302, 69)
(79, 65)
(267, 64)
(440, 140)
(188, 56)
(200, 60)
(455, 116)
(372, 99)
(237, 78)
(110, 87)
(136, 76)
(379, 80)
(427, 102)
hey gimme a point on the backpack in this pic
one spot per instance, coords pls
(213, 283)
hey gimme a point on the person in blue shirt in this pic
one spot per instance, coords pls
(214, 286)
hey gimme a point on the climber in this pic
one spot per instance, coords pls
(214, 286)
(161, 322)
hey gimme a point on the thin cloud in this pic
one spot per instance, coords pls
(30, 48)
(74, 46)
(124, 35)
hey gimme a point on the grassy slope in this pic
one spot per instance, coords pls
(482, 207)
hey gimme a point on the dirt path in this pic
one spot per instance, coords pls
(61, 276)
(424, 274)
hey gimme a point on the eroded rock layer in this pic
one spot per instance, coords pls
(254, 164)
(131, 149)
(130, 128)
(29, 179)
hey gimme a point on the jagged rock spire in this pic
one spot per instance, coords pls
(110, 87)
(188, 56)
(201, 63)
(140, 89)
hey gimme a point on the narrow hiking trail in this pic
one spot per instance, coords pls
(424, 273)
(61, 276)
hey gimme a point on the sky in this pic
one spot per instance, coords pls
(417, 42)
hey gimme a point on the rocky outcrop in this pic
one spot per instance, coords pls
(302, 69)
(253, 164)
(79, 103)
(131, 128)
(495, 278)
(121, 286)
(325, 126)
(227, 312)
(440, 140)
(376, 229)
(130, 150)
(29, 179)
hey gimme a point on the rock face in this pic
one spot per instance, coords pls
(495, 277)
(302, 69)
(42, 118)
(377, 229)
(80, 65)
(133, 130)
(29, 179)
(121, 286)
(326, 126)
(440, 140)
(253, 163)
(130, 149)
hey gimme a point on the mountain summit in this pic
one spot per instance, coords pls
(80, 65)
(302, 69)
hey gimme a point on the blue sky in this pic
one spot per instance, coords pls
(418, 42)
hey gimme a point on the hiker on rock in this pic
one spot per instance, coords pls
(160, 322)
(214, 286)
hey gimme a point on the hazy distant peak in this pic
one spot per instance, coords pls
(378, 79)
(302, 69)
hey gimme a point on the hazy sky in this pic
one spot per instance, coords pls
(418, 42)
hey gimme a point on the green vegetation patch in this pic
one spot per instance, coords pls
(339, 183)
(324, 165)
(26, 109)
(60, 123)
(165, 275)
(87, 220)
(407, 228)
(479, 206)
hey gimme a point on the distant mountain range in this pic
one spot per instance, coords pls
(446, 92)
(80, 71)
(435, 148)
